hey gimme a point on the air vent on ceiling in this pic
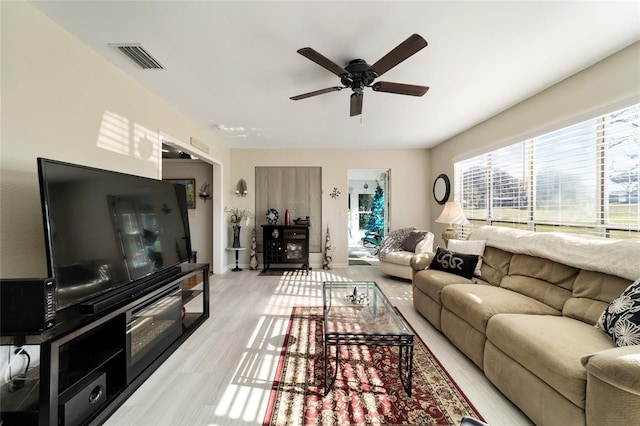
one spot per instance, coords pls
(139, 55)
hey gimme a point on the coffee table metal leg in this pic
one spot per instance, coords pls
(325, 358)
(405, 366)
(329, 384)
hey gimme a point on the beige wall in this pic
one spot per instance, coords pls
(606, 86)
(200, 217)
(60, 100)
(410, 192)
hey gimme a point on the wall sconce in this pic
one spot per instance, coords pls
(451, 214)
(241, 188)
(205, 191)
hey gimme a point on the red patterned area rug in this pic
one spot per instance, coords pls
(367, 390)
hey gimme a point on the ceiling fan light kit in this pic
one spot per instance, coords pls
(358, 74)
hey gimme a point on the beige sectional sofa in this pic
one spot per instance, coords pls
(528, 322)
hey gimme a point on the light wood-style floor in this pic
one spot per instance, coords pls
(222, 375)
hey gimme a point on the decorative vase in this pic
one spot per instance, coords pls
(287, 217)
(236, 236)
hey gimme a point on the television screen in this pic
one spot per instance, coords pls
(104, 230)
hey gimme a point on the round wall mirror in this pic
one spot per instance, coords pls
(441, 189)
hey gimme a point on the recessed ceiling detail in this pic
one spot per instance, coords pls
(139, 55)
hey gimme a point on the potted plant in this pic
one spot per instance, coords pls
(236, 216)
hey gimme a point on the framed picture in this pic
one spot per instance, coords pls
(191, 190)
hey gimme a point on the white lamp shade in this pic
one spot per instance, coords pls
(452, 214)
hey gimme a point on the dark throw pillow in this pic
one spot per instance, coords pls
(454, 263)
(621, 320)
(412, 240)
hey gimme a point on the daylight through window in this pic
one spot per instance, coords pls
(580, 179)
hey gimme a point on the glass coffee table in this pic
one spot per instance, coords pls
(358, 313)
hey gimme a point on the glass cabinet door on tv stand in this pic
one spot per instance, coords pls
(285, 245)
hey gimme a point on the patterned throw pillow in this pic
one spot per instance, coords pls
(392, 241)
(454, 263)
(621, 320)
(469, 247)
(412, 240)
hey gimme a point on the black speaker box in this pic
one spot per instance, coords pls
(27, 305)
(81, 400)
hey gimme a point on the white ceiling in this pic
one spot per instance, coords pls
(231, 66)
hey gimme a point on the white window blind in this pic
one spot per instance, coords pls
(566, 171)
(473, 178)
(580, 179)
(622, 170)
(509, 184)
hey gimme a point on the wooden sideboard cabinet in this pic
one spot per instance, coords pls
(286, 245)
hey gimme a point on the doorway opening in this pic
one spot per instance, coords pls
(368, 219)
(207, 229)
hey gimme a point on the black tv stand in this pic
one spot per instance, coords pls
(106, 355)
(115, 298)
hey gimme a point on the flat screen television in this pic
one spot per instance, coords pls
(106, 230)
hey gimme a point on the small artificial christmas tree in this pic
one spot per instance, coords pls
(376, 220)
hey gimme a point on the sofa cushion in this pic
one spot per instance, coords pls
(495, 265)
(592, 293)
(395, 270)
(454, 263)
(431, 282)
(412, 240)
(399, 257)
(549, 347)
(621, 320)
(469, 247)
(476, 304)
(544, 280)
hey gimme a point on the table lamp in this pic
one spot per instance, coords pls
(452, 215)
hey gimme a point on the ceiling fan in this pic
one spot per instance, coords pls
(358, 74)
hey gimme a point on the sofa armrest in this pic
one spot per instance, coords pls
(426, 245)
(421, 261)
(619, 367)
(613, 386)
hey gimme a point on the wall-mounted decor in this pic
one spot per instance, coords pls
(198, 144)
(191, 190)
(205, 191)
(335, 193)
(441, 189)
(241, 188)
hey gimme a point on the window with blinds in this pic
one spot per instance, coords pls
(580, 179)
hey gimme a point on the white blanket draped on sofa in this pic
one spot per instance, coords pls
(611, 256)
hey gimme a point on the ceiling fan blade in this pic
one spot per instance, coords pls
(399, 88)
(323, 61)
(356, 104)
(405, 49)
(317, 92)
